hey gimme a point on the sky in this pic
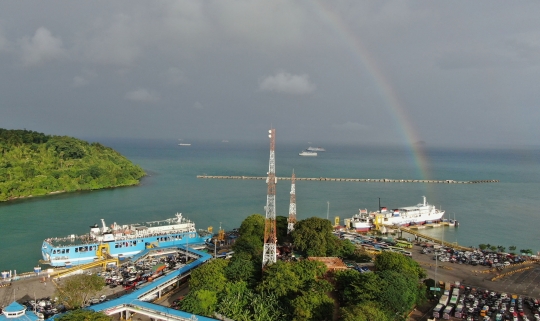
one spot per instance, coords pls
(352, 71)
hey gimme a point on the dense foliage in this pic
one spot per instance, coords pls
(33, 163)
(303, 290)
(313, 237)
(387, 294)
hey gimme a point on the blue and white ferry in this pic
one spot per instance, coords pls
(120, 241)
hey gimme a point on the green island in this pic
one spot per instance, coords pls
(33, 164)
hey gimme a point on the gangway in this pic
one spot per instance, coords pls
(82, 267)
(431, 238)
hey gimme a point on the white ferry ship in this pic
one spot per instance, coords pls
(315, 149)
(120, 241)
(419, 214)
(307, 153)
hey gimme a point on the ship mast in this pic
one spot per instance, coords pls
(292, 206)
(270, 238)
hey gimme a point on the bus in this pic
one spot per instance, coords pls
(404, 244)
(438, 310)
(447, 313)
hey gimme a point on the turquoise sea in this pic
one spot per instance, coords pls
(505, 213)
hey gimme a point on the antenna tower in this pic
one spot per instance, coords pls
(270, 238)
(292, 206)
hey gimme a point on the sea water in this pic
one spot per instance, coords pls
(504, 213)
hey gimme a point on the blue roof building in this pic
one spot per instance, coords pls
(17, 312)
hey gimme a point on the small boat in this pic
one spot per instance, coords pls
(316, 149)
(307, 153)
(184, 144)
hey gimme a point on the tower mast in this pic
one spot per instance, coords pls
(270, 238)
(292, 206)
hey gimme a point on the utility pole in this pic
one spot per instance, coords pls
(328, 210)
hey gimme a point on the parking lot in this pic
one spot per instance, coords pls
(523, 283)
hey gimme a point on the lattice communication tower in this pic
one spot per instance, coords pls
(292, 206)
(270, 238)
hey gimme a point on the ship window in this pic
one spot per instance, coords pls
(67, 251)
(63, 251)
(116, 246)
(54, 252)
(76, 249)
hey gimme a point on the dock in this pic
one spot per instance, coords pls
(361, 180)
(418, 235)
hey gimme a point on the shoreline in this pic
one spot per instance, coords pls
(64, 191)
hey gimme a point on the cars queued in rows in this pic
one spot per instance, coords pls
(477, 257)
(482, 304)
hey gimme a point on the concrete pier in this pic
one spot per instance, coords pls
(362, 180)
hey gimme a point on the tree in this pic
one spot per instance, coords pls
(366, 311)
(482, 246)
(280, 279)
(512, 248)
(312, 306)
(76, 291)
(201, 301)
(355, 288)
(267, 307)
(242, 268)
(209, 276)
(400, 263)
(84, 315)
(314, 237)
(251, 237)
(399, 291)
(235, 300)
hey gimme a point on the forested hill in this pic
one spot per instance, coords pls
(33, 163)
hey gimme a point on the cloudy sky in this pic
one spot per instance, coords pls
(443, 72)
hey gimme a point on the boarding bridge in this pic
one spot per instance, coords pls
(78, 269)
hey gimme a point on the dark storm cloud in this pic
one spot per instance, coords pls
(460, 72)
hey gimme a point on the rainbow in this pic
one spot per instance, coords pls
(362, 56)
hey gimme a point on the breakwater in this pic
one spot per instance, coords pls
(363, 180)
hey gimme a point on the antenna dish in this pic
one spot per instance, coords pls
(270, 131)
